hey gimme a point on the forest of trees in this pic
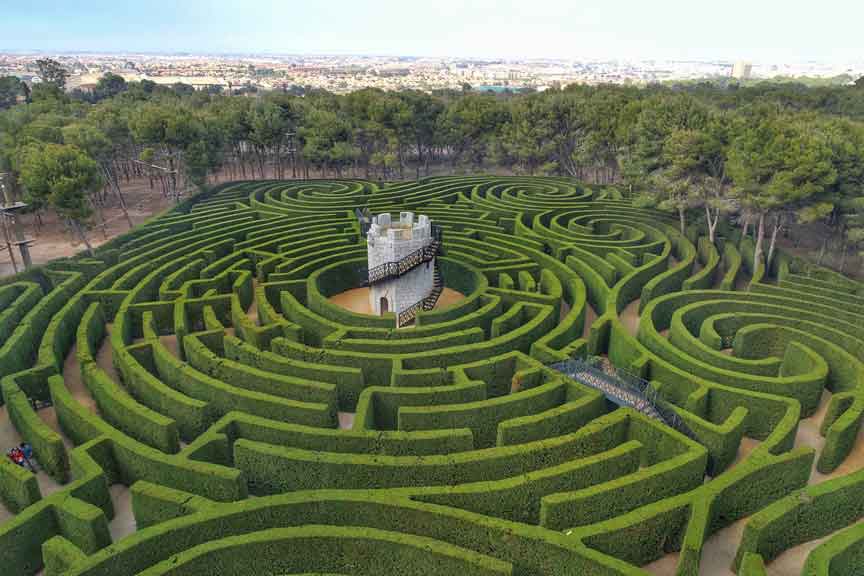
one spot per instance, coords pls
(773, 156)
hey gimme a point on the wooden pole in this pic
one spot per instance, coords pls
(9, 244)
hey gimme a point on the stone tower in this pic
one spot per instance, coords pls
(403, 273)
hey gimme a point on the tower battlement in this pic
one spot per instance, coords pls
(390, 241)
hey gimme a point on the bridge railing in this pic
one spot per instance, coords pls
(624, 386)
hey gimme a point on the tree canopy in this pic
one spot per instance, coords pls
(772, 154)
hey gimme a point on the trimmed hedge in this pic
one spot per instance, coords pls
(271, 469)
(48, 447)
(535, 551)
(135, 461)
(804, 515)
(224, 397)
(18, 486)
(461, 435)
(841, 554)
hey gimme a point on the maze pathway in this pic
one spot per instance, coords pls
(213, 411)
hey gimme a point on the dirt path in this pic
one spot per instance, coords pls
(123, 522)
(665, 566)
(590, 317)
(252, 311)
(105, 355)
(746, 446)
(719, 550)
(565, 309)
(170, 342)
(355, 300)
(9, 438)
(630, 317)
(346, 420)
(74, 382)
(853, 463)
(790, 562)
(808, 432)
(448, 298)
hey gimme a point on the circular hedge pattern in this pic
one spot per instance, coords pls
(265, 430)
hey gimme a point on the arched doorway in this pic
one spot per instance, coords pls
(384, 305)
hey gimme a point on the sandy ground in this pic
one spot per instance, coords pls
(630, 317)
(346, 420)
(790, 562)
(9, 438)
(170, 342)
(252, 311)
(104, 356)
(590, 317)
(357, 300)
(665, 566)
(808, 433)
(719, 550)
(123, 523)
(746, 446)
(54, 241)
(75, 384)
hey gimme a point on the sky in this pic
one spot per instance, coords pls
(755, 30)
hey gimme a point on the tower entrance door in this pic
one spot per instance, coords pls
(384, 306)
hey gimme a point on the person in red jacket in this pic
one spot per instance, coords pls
(17, 456)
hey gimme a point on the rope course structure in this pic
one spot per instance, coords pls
(610, 396)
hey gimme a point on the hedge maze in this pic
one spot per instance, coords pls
(260, 429)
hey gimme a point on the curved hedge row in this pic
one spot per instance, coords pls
(200, 360)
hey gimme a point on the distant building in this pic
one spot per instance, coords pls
(742, 70)
(197, 82)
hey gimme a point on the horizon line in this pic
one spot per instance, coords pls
(703, 60)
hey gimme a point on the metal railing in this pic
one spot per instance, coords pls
(407, 315)
(437, 288)
(623, 388)
(396, 269)
(426, 304)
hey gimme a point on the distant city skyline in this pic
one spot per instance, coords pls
(763, 31)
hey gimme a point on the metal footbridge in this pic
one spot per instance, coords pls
(622, 388)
